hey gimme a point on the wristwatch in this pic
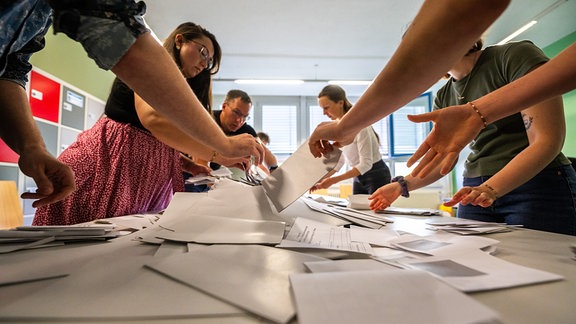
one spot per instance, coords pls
(403, 185)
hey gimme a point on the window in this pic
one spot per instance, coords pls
(289, 121)
(406, 136)
(280, 122)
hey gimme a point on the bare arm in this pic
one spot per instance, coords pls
(164, 131)
(546, 131)
(149, 71)
(54, 179)
(269, 158)
(456, 126)
(387, 194)
(424, 55)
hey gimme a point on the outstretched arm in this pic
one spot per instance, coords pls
(546, 131)
(164, 130)
(54, 179)
(456, 126)
(424, 55)
(149, 71)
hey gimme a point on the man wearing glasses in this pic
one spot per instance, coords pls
(232, 119)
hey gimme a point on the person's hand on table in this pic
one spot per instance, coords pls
(482, 196)
(54, 179)
(323, 184)
(246, 146)
(239, 163)
(319, 141)
(194, 168)
(385, 196)
(454, 127)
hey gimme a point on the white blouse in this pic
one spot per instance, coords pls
(363, 152)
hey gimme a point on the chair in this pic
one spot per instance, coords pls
(11, 214)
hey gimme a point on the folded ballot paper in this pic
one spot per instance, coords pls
(468, 227)
(297, 175)
(26, 237)
(361, 202)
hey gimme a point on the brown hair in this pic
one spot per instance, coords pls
(336, 93)
(202, 83)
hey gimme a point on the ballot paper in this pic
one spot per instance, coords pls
(309, 234)
(432, 245)
(211, 178)
(461, 262)
(410, 211)
(474, 270)
(297, 175)
(25, 237)
(328, 200)
(384, 296)
(354, 216)
(114, 287)
(468, 227)
(222, 230)
(361, 202)
(252, 277)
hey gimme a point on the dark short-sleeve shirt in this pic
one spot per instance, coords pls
(244, 129)
(502, 140)
(120, 105)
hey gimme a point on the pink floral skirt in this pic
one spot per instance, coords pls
(119, 170)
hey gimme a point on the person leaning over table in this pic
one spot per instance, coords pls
(363, 155)
(113, 33)
(232, 119)
(129, 161)
(456, 126)
(436, 40)
(516, 167)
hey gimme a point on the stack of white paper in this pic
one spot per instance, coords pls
(354, 216)
(25, 237)
(467, 227)
(361, 202)
(309, 234)
(461, 263)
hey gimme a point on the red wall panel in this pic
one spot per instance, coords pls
(44, 97)
(6, 154)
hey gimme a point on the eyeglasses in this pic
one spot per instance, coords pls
(205, 55)
(241, 116)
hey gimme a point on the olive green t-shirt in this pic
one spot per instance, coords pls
(502, 140)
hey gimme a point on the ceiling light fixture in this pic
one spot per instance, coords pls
(350, 82)
(533, 21)
(262, 81)
(518, 32)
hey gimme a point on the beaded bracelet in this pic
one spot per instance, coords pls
(403, 185)
(479, 113)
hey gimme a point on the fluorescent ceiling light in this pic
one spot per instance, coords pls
(349, 82)
(518, 32)
(257, 81)
(534, 20)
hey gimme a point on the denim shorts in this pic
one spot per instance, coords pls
(546, 202)
(105, 28)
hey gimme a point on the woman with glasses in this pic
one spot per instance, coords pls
(363, 154)
(129, 161)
